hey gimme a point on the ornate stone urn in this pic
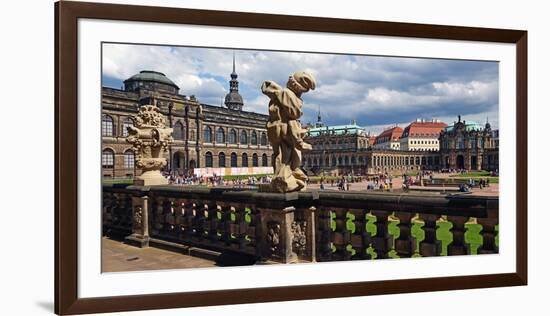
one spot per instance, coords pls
(150, 138)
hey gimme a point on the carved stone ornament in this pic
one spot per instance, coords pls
(285, 132)
(273, 236)
(138, 215)
(299, 239)
(150, 138)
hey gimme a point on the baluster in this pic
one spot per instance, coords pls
(359, 238)
(382, 240)
(457, 246)
(443, 235)
(214, 216)
(171, 231)
(225, 224)
(489, 235)
(207, 226)
(428, 247)
(156, 218)
(107, 215)
(199, 222)
(116, 214)
(324, 234)
(404, 243)
(417, 233)
(241, 225)
(497, 234)
(188, 208)
(128, 215)
(340, 234)
(472, 236)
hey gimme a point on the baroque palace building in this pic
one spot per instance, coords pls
(349, 149)
(422, 135)
(469, 146)
(207, 138)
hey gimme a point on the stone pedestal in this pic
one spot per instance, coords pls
(287, 233)
(277, 237)
(152, 177)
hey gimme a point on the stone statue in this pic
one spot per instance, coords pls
(285, 132)
(150, 137)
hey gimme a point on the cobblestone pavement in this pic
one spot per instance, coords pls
(118, 257)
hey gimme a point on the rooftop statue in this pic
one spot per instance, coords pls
(285, 132)
(150, 137)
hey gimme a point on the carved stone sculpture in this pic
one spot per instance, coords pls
(273, 239)
(150, 137)
(299, 238)
(285, 132)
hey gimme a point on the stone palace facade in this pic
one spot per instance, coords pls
(205, 136)
(428, 145)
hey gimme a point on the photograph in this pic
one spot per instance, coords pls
(216, 157)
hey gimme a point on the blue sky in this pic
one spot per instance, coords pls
(376, 91)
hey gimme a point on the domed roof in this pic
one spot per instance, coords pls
(233, 97)
(150, 75)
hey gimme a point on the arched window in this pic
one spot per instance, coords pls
(244, 138)
(127, 122)
(220, 136)
(254, 138)
(232, 138)
(108, 158)
(339, 161)
(263, 139)
(353, 160)
(327, 162)
(208, 160)
(178, 131)
(107, 126)
(254, 160)
(346, 160)
(221, 160)
(245, 160)
(129, 159)
(333, 161)
(192, 136)
(233, 159)
(264, 160)
(207, 135)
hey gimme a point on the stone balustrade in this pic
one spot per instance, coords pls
(303, 226)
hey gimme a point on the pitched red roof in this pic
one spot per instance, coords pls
(424, 129)
(393, 133)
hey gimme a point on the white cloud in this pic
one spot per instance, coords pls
(348, 87)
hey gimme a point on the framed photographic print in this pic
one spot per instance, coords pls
(211, 157)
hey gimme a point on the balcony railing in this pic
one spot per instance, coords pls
(305, 226)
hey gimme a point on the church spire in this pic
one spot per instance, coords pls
(319, 121)
(233, 100)
(234, 65)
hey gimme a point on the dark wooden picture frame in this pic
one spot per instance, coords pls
(66, 159)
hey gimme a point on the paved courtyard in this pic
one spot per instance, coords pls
(118, 257)
(490, 190)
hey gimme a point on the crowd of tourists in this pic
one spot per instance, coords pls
(215, 180)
